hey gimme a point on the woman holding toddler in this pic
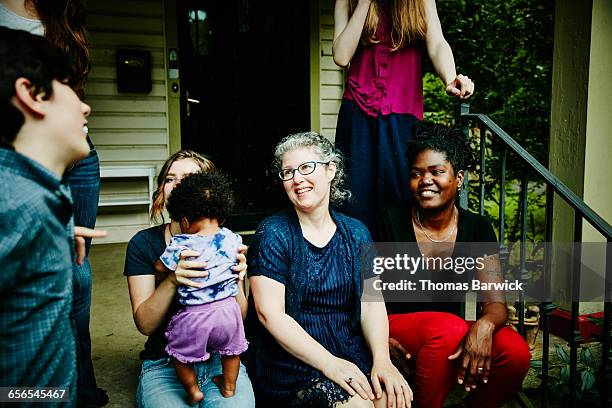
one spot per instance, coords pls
(155, 301)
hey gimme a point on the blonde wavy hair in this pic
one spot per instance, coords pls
(408, 21)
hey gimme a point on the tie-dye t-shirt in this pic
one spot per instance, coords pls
(219, 252)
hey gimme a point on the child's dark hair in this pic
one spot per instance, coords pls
(24, 55)
(202, 195)
(443, 139)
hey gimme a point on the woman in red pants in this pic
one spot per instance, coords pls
(430, 339)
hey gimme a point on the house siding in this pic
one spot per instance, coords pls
(133, 129)
(127, 128)
(331, 77)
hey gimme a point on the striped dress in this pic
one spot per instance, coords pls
(328, 308)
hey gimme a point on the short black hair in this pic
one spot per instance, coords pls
(202, 195)
(25, 55)
(443, 139)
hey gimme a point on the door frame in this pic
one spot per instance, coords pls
(173, 99)
(173, 86)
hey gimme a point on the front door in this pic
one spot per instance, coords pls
(244, 68)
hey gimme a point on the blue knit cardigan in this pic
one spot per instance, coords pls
(353, 234)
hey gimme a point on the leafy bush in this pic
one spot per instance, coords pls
(559, 372)
(506, 48)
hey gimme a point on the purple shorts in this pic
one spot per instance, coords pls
(196, 331)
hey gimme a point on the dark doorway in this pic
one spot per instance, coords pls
(245, 84)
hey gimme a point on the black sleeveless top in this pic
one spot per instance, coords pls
(395, 225)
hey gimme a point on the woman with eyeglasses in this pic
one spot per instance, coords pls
(313, 341)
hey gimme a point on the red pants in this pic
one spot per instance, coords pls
(430, 337)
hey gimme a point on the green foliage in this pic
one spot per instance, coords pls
(536, 206)
(559, 372)
(505, 47)
(439, 108)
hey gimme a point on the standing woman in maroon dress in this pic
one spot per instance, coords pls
(383, 97)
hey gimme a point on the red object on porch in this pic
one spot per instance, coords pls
(561, 325)
(596, 329)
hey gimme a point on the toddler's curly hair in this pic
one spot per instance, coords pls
(202, 195)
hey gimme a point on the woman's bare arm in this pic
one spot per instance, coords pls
(347, 30)
(375, 328)
(441, 56)
(150, 304)
(475, 351)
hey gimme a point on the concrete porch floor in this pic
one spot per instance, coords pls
(116, 342)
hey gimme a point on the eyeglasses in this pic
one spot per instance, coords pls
(303, 169)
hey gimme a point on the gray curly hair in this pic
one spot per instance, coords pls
(327, 153)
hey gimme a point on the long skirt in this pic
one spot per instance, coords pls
(375, 152)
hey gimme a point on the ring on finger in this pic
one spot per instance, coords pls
(349, 380)
(480, 369)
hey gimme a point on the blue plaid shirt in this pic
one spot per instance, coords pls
(37, 346)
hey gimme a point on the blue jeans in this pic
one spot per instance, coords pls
(84, 181)
(159, 387)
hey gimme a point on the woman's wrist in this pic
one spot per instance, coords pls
(448, 80)
(381, 356)
(325, 361)
(495, 314)
(171, 281)
(487, 324)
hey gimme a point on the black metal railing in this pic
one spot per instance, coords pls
(554, 188)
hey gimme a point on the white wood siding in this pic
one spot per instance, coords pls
(133, 128)
(331, 76)
(127, 128)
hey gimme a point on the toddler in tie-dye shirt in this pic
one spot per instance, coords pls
(210, 320)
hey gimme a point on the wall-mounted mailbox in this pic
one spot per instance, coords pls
(134, 71)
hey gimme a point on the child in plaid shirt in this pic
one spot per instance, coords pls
(44, 131)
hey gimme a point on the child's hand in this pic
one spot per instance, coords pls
(241, 268)
(189, 269)
(80, 233)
